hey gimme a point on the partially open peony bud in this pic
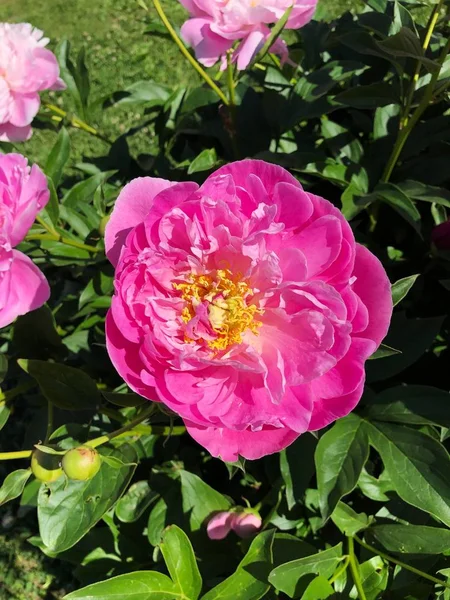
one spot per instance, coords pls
(81, 463)
(246, 524)
(45, 467)
(219, 525)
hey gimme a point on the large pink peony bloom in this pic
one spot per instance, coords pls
(244, 305)
(216, 25)
(26, 68)
(23, 193)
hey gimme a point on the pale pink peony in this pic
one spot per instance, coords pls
(246, 524)
(244, 305)
(26, 68)
(216, 25)
(219, 526)
(23, 193)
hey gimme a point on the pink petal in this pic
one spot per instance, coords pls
(11, 133)
(246, 524)
(229, 445)
(28, 289)
(374, 288)
(208, 46)
(219, 526)
(249, 47)
(131, 208)
(25, 108)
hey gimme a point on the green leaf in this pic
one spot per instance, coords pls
(275, 33)
(395, 197)
(13, 485)
(340, 456)
(412, 539)
(318, 589)
(297, 467)
(411, 404)
(51, 211)
(406, 44)
(3, 367)
(417, 465)
(67, 72)
(369, 96)
(383, 352)
(83, 192)
(179, 557)
(206, 160)
(347, 520)
(374, 488)
(58, 157)
(286, 578)
(412, 337)
(65, 387)
(4, 415)
(374, 578)
(193, 488)
(135, 502)
(249, 582)
(125, 400)
(425, 193)
(401, 288)
(141, 585)
(67, 510)
(148, 92)
(35, 335)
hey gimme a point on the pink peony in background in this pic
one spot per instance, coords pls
(244, 524)
(245, 306)
(26, 68)
(215, 26)
(23, 193)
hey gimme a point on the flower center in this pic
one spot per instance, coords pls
(228, 303)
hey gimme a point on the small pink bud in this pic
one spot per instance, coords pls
(219, 526)
(440, 236)
(246, 524)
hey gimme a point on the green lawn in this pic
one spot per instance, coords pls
(119, 53)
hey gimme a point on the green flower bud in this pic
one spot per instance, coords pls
(81, 463)
(103, 224)
(46, 467)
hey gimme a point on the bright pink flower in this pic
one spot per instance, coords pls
(26, 68)
(215, 26)
(219, 526)
(440, 236)
(244, 305)
(246, 524)
(23, 193)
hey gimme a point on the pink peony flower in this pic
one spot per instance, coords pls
(23, 193)
(215, 26)
(26, 68)
(219, 526)
(440, 236)
(246, 524)
(244, 305)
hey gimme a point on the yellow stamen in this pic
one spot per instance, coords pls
(230, 310)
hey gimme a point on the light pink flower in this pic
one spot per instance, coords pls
(23, 193)
(215, 26)
(246, 524)
(245, 305)
(26, 68)
(219, 526)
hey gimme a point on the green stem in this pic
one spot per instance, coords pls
(55, 237)
(401, 564)
(49, 421)
(20, 389)
(75, 122)
(354, 567)
(426, 42)
(133, 425)
(404, 133)
(184, 50)
(15, 455)
(341, 570)
(232, 102)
